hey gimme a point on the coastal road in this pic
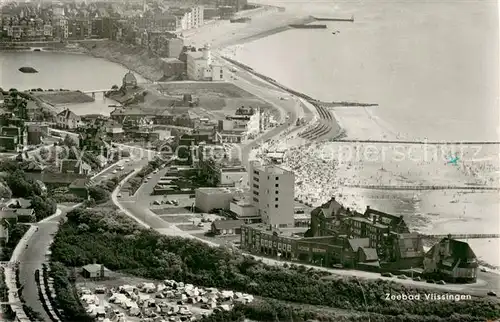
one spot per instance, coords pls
(35, 254)
(32, 258)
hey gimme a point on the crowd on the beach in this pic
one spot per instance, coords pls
(321, 170)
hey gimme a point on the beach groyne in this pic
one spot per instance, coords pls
(266, 33)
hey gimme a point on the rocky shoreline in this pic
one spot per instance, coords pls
(134, 58)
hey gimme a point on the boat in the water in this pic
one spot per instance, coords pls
(304, 26)
(37, 49)
(28, 70)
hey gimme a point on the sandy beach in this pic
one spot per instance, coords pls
(335, 165)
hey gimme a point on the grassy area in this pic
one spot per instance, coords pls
(63, 97)
(220, 89)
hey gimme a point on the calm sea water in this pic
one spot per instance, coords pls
(431, 65)
(62, 70)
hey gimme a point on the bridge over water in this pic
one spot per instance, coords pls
(417, 187)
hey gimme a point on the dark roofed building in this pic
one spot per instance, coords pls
(452, 260)
(79, 187)
(227, 227)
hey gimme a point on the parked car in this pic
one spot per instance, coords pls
(114, 171)
(156, 171)
(431, 281)
(483, 269)
(201, 225)
(387, 274)
(441, 282)
(149, 177)
(403, 277)
(119, 195)
(418, 278)
(491, 293)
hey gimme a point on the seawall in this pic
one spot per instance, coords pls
(135, 58)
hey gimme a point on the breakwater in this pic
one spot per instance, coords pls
(417, 187)
(266, 33)
(334, 19)
(424, 142)
(333, 129)
(346, 103)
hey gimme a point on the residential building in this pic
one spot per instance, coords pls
(189, 18)
(68, 120)
(226, 227)
(272, 189)
(79, 187)
(201, 67)
(173, 67)
(451, 260)
(94, 271)
(74, 166)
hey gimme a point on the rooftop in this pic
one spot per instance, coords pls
(216, 190)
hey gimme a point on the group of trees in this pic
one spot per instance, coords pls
(137, 180)
(115, 241)
(15, 234)
(22, 186)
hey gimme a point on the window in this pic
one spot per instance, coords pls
(256, 186)
(277, 178)
(277, 192)
(275, 199)
(256, 193)
(255, 199)
(275, 206)
(277, 185)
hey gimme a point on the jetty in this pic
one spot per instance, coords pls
(334, 19)
(422, 142)
(420, 187)
(305, 26)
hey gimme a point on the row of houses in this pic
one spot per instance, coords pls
(373, 240)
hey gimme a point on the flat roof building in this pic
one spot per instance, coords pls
(272, 193)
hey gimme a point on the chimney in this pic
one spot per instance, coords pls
(102, 271)
(374, 219)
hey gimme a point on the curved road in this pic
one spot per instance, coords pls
(35, 254)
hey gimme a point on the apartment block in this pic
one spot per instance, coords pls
(272, 190)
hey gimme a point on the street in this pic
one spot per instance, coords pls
(35, 254)
(33, 257)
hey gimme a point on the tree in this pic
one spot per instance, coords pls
(19, 186)
(43, 207)
(5, 191)
(98, 194)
